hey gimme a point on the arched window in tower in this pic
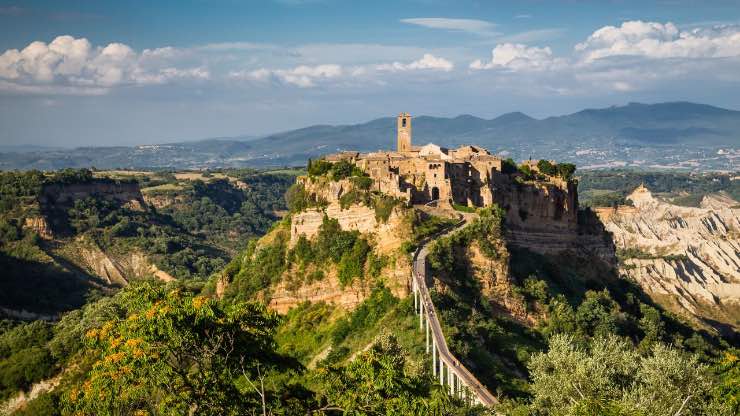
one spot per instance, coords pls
(403, 122)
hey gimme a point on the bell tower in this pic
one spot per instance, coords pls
(404, 132)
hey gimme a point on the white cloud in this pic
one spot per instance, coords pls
(302, 76)
(659, 41)
(461, 25)
(428, 61)
(635, 56)
(72, 66)
(516, 56)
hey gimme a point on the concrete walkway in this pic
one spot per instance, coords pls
(461, 381)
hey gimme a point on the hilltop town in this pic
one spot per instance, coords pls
(466, 176)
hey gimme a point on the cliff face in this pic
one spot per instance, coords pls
(117, 269)
(127, 193)
(40, 226)
(386, 238)
(388, 235)
(544, 217)
(111, 268)
(686, 258)
(395, 276)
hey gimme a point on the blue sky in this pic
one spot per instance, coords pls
(120, 73)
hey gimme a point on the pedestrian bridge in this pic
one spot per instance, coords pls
(450, 372)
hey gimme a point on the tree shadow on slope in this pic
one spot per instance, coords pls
(42, 288)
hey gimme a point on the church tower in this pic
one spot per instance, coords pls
(404, 132)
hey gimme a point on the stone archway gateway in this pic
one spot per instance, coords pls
(435, 193)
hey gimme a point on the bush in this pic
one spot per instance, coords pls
(527, 172)
(319, 167)
(25, 367)
(362, 182)
(546, 167)
(463, 208)
(566, 170)
(508, 166)
(344, 169)
(383, 206)
(352, 262)
(380, 301)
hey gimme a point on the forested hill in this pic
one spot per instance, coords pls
(68, 235)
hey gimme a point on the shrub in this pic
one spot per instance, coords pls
(352, 262)
(353, 197)
(463, 208)
(546, 167)
(319, 167)
(332, 242)
(362, 182)
(383, 206)
(297, 198)
(380, 301)
(508, 166)
(527, 172)
(566, 170)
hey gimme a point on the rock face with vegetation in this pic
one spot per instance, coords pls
(340, 241)
(687, 258)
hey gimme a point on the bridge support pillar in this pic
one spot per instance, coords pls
(434, 358)
(450, 378)
(426, 325)
(416, 294)
(441, 372)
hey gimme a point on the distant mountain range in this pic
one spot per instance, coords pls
(673, 135)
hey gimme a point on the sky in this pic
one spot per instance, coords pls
(102, 73)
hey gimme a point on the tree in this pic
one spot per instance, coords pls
(377, 383)
(566, 170)
(546, 167)
(609, 377)
(175, 354)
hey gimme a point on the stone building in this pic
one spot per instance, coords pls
(463, 176)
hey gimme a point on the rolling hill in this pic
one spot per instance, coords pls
(676, 134)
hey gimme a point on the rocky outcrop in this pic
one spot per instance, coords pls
(127, 193)
(538, 206)
(688, 257)
(119, 269)
(285, 296)
(495, 282)
(162, 200)
(40, 226)
(323, 189)
(543, 216)
(388, 235)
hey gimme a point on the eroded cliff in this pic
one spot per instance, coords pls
(687, 258)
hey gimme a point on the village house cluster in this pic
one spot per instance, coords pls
(464, 176)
